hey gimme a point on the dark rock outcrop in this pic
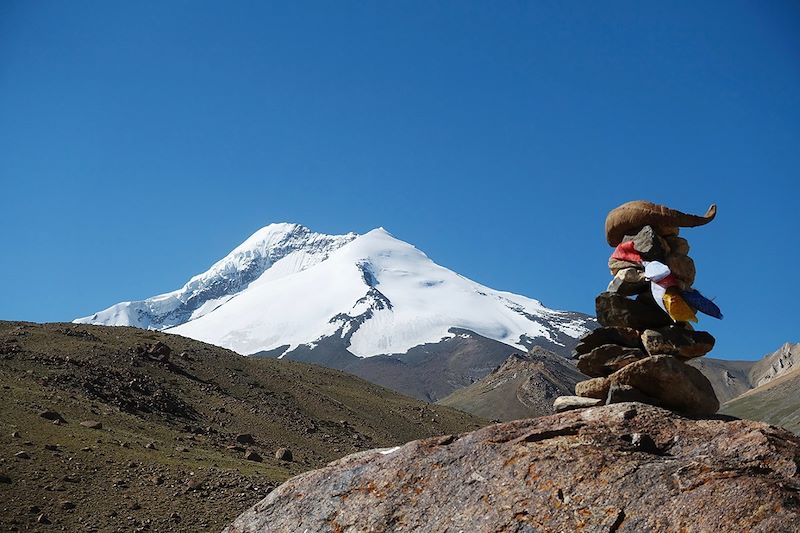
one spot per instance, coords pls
(625, 467)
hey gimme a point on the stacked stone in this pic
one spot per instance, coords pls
(640, 353)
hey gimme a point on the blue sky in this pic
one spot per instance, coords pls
(141, 141)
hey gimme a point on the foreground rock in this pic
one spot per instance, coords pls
(674, 384)
(625, 467)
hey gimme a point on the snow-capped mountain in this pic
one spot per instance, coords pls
(336, 299)
(270, 253)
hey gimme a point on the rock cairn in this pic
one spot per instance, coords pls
(640, 352)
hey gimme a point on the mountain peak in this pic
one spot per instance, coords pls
(279, 249)
(287, 288)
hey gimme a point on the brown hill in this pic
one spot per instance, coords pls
(524, 386)
(175, 419)
(771, 366)
(776, 402)
(764, 390)
(428, 372)
(729, 378)
(624, 467)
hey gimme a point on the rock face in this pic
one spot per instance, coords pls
(625, 467)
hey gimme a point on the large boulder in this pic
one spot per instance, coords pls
(613, 309)
(626, 467)
(675, 384)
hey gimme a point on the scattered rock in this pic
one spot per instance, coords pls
(583, 470)
(150, 446)
(616, 310)
(593, 388)
(52, 415)
(283, 454)
(67, 505)
(15, 434)
(251, 455)
(181, 449)
(42, 519)
(51, 447)
(675, 384)
(607, 335)
(677, 341)
(568, 403)
(92, 424)
(245, 438)
(22, 455)
(608, 358)
(175, 517)
(158, 352)
(194, 484)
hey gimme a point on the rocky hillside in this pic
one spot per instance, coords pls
(728, 378)
(732, 379)
(771, 366)
(625, 467)
(524, 386)
(776, 402)
(117, 428)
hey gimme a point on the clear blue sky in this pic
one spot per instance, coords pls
(141, 141)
